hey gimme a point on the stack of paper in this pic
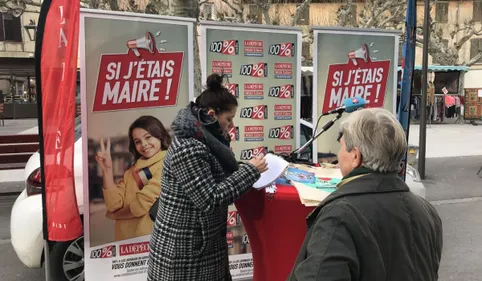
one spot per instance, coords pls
(313, 184)
(276, 168)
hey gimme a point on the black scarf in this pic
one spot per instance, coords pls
(196, 123)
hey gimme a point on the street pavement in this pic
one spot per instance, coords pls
(11, 267)
(454, 155)
(17, 126)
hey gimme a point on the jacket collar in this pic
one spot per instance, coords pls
(360, 184)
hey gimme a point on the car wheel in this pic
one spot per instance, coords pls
(67, 260)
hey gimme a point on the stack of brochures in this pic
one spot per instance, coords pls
(313, 183)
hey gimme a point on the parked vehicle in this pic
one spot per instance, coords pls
(66, 258)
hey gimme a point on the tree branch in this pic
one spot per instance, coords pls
(474, 60)
(299, 11)
(16, 7)
(238, 12)
(470, 32)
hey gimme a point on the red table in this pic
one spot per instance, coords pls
(276, 227)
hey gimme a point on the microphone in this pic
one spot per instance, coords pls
(349, 105)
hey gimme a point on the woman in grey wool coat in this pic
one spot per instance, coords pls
(200, 178)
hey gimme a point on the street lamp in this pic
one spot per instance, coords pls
(31, 28)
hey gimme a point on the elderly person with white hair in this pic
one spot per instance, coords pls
(372, 228)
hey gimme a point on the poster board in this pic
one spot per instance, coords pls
(473, 104)
(351, 62)
(131, 65)
(262, 64)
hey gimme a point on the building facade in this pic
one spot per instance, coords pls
(17, 63)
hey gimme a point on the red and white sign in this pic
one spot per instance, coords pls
(282, 50)
(57, 59)
(283, 70)
(104, 252)
(134, 248)
(129, 81)
(257, 112)
(253, 91)
(253, 48)
(283, 148)
(226, 47)
(254, 133)
(233, 88)
(234, 133)
(282, 133)
(231, 221)
(283, 112)
(282, 92)
(258, 70)
(248, 154)
(364, 78)
(222, 67)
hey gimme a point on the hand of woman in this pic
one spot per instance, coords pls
(260, 163)
(103, 157)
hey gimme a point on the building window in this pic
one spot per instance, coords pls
(442, 12)
(10, 28)
(477, 10)
(304, 18)
(475, 47)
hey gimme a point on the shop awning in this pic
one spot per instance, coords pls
(440, 68)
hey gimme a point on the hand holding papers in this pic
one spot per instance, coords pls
(276, 168)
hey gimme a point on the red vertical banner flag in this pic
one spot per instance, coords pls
(56, 54)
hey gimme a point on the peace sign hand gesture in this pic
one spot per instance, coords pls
(103, 157)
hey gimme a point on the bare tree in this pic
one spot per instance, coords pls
(446, 53)
(17, 7)
(390, 14)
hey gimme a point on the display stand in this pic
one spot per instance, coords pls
(276, 227)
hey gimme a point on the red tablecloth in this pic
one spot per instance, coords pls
(276, 228)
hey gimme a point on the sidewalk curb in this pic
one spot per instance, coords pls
(6, 194)
(11, 188)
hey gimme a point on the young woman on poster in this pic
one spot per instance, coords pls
(201, 177)
(128, 202)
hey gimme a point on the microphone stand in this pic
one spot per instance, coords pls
(294, 155)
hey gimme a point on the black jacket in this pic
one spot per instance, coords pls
(372, 228)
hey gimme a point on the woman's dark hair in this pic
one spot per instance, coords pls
(216, 96)
(154, 127)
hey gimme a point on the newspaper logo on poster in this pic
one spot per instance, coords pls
(143, 77)
(360, 76)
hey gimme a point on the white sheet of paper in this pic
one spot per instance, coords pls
(276, 168)
(479, 93)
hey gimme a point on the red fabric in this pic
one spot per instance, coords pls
(276, 229)
(59, 74)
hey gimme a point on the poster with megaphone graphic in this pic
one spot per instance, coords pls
(349, 63)
(135, 76)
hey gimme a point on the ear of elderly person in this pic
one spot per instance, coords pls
(372, 228)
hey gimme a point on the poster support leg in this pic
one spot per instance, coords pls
(423, 112)
(47, 260)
